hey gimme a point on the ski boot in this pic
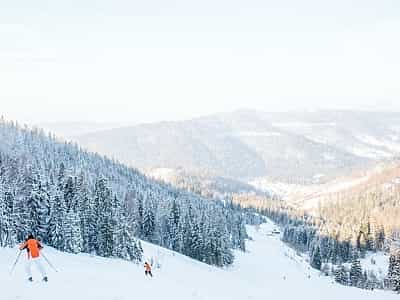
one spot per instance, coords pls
(45, 279)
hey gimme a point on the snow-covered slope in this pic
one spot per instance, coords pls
(269, 270)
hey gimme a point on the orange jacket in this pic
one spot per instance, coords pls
(33, 247)
(147, 267)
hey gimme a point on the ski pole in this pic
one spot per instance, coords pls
(16, 261)
(48, 261)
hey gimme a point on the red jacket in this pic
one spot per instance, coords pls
(33, 247)
(147, 267)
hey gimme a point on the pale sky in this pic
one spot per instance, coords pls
(143, 61)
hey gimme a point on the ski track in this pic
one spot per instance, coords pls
(268, 270)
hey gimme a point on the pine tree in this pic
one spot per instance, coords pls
(70, 193)
(73, 236)
(316, 260)
(173, 225)
(38, 209)
(10, 238)
(341, 275)
(56, 231)
(356, 273)
(61, 177)
(394, 270)
(138, 216)
(369, 240)
(380, 238)
(105, 222)
(3, 219)
(148, 222)
(137, 255)
(86, 215)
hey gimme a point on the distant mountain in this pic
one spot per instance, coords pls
(72, 129)
(291, 147)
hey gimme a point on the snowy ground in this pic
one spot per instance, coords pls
(376, 262)
(269, 270)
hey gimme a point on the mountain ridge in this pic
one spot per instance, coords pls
(247, 144)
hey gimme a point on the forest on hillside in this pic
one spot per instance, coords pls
(77, 201)
(344, 229)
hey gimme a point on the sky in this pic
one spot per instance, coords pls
(146, 61)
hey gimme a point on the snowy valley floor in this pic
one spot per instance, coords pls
(266, 271)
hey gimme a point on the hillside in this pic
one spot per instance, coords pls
(204, 184)
(342, 222)
(268, 269)
(77, 201)
(292, 147)
(384, 176)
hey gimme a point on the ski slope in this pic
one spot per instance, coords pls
(269, 270)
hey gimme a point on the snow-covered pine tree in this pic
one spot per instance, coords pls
(138, 211)
(369, 239)
(61, 177)
(394, 270)
(137, 254)
(356, 272)
(316, 260)
(73, 236)
(118, 223)
(70, 193)
(341, 275)
(38, 205)
(105, 222)
(10, 238)
(3, 218)
(242, 234)
(86, 215)
(149, 225)
(57, 224)
(379, 238)
(173, 226)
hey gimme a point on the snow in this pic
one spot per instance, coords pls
(328, 157)
(268, 270)
(376, 262)
(317, 139)
(307, 196)
(278, 188)
(374, 148)
(162, 173)
(389, 143)
(257, 133)
(318, 177)
(303, 124)
(370, 152)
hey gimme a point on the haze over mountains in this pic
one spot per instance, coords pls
(288, 146)
(71, 129)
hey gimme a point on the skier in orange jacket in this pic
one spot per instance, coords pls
(33, 248)
(147, 269)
